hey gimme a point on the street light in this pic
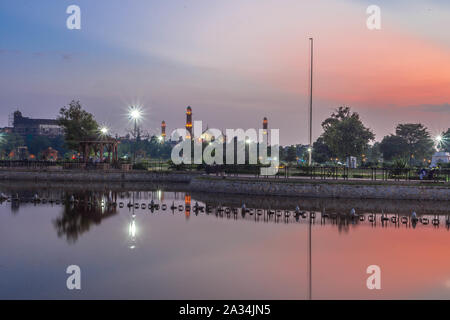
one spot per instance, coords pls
(439, 139)
(135, 114)
(104, 131)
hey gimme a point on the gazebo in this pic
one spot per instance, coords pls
(101, 145)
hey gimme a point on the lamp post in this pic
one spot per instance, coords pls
(103, 135)
(135, 114)
(439, 139)
(310, 103)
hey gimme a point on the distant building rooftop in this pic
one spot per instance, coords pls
(44, 127)
(440, 157)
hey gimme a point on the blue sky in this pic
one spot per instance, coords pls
(233, 61)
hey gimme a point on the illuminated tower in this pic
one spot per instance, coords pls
(189, 122)
(163, 130)
(265, 132)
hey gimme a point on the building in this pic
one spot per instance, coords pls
(351, 162)
(440, 157)
(6, 130)
(42, 127)
(208, 137)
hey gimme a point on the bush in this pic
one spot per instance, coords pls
(140, 166)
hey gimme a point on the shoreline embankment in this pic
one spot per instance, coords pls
(274, 186)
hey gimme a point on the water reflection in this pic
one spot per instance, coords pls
(132, 232)
(162, 243)
(81, 211)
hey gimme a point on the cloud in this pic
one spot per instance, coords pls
(13, 52)
(66, 56)
(439, 108)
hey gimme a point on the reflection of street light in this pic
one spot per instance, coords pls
(132, 231)
(132, 228)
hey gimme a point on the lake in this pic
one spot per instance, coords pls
(138, 241)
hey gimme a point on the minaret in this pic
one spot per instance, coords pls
(189, 122)
(265, 127)
(265, 124)
(163, 130)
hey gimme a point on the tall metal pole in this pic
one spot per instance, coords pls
(310, 105)
(135, 141)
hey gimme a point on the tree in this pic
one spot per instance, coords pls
(394, 147)
(373, 154)
(9, 142)
(446, 140)
(418, 140)
(291, 154)
(345, 134)
(321, 153)
(78, 124)
(36, 143)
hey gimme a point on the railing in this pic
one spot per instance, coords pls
(337, 173)
(382, 174)
(40, 164)
(313, 172)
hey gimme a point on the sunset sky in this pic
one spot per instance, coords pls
(233, 61)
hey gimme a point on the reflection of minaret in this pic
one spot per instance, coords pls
(265, 130)
(187, 205)
(163, 130)
(189, 122)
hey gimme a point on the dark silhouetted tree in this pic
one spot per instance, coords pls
(394, 147)
(345, 134)
(321, 153)
(418, 140)
(78, 124)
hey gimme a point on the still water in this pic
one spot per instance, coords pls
(162, 242)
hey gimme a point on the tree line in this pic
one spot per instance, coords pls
(344, 135)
